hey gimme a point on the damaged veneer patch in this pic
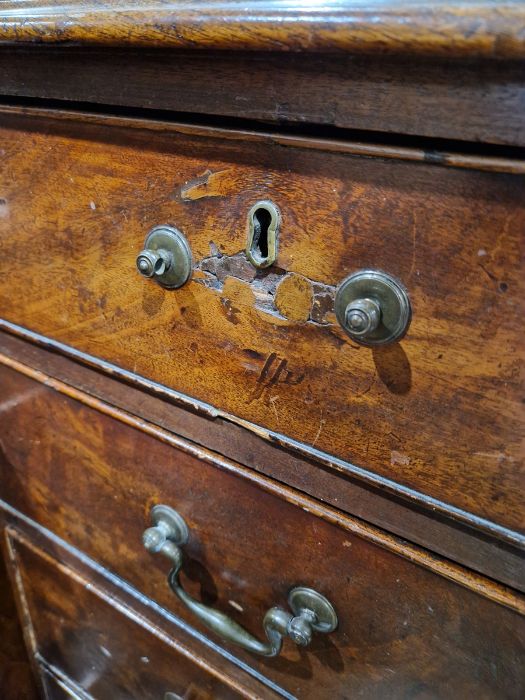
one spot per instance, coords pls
(285, 295)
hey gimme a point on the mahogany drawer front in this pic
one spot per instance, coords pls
(54, 689)
(450, 236)
(16, 674)
(92, 480)
(96, 643)
(79, 198)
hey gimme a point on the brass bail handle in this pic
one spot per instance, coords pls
(311, 611)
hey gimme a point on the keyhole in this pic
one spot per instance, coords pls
(263, 225)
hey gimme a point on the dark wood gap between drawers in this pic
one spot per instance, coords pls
(447, 568)
(473, 102)
(405, 495)
(126, 600)
(455, 154)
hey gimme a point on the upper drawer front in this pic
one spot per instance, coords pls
(403, 630)
(78, 201)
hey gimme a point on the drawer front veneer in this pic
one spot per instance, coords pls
(96, 642)
(93, 480)
(264, 345)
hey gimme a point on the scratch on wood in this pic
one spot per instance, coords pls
(273, 399)
(322, 421)
(489, 274)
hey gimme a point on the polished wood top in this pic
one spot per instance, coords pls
(474, 28)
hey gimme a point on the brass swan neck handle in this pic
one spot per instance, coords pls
(311, 611)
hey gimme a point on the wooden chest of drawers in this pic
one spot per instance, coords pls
(327, 403)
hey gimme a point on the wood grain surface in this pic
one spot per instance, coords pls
(57, 688)
(92, 481)
(473, 28)
(183, 640)
(476, 101)
(16, 677)
(99, 644)
(77, 201)
(457, 541)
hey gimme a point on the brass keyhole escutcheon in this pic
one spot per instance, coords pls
(373, 308)
(166, 257)
(264, 220)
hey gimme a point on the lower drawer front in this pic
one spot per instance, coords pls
(56, 689)
(98, 647)
(403, 630)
